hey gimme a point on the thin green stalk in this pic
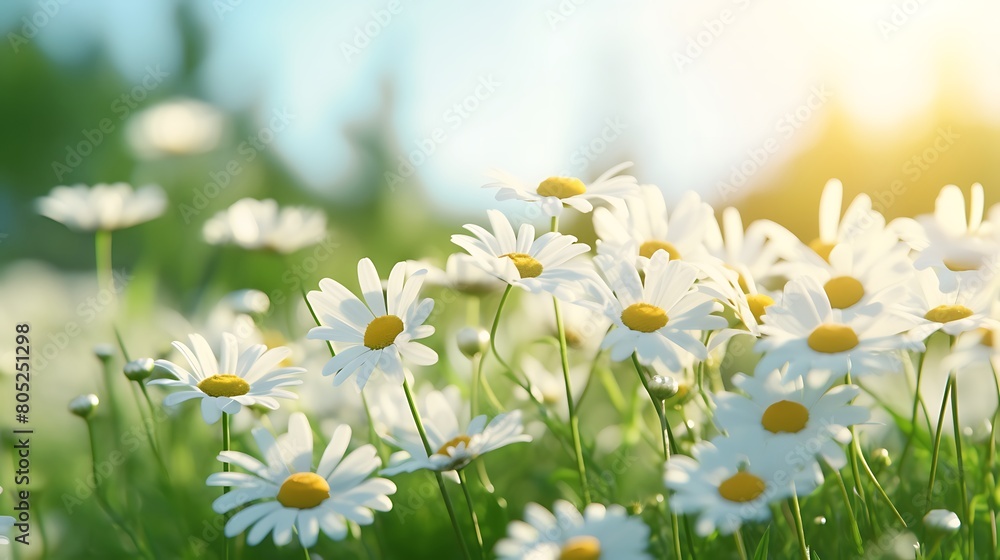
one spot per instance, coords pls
(853, 452)
(437, 475)
(102, 259)
(574, 419)
(308, 557)
(496, 325)
(937, 446)
(962, 488)
(102, 500)
(990, 482)
(917, 402)
(741, 547)
(800, 531)
(472, 510)
(874, 479)
(661, 413)
(226, 467)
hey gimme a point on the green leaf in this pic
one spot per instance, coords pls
(813, 554)
(761, 552)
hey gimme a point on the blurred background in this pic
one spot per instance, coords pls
(387, 114)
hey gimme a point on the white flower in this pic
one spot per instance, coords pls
(976, 347)
(237, 380)
(645, 227)
(372, 335)
(875, 268)
(547, 383)
(260, 224)
(752, 253)
(103, 207)
(858, 221)
(730, 481)
(288, 494)
(599, 532)
(805, 332)
(956, 247)
(546, 264)
(658, 319)
(797, 419)
(942, 520)
(452, 446)
(554, 192)
(964, 309)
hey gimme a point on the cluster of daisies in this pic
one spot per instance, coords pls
(666, 291)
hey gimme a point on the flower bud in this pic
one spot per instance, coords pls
(84, 405)
(104, 352)
(662, 387)
(250, 302)
(473, 341)
(138, 370)
(942, 520)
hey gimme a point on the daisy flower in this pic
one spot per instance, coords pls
(239, 379)
(873, 268)
(806, 332)
(858, 221)
(658, 319)
(377, 333)
(566, 533)
(645, 227)
(977, 347)
(544, 265)
(798, 419)
(455, 447)
(552, 193)
(285, 493)
(103, 207)
(961, 310)
(729, 482)
(260, 224)
(954, 245)
(752, 253)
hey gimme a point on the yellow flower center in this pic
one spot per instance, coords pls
(382, 331)
(832, 338)
(742, 487)
(644, 317)
(957, 266)
(948, 313)
(453, 442)
(526, 265)
(304, 490)
(822, 248)
(583, 547)
(224, 385)
(758, 304)
(561, 187)
(844, 291)
(785, 417)
(649, 248)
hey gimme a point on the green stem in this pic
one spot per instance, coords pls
(437, 475)
(102, 259)
(855, 530)
(574, 419)
(102, 500)
(937, 446)
(799, 527)
(226, 467)
(661, 413)
(472, 510)
(874, 479)
(496, 325)
(856, 474)
(741, 547)
(991, 451)
(917, 402)
(962, 488)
